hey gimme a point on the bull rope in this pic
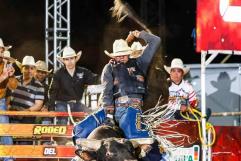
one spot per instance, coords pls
(161, 114)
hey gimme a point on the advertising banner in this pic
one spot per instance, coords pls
(218, 25)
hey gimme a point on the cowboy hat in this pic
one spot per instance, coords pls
(137, 49)
(68, 52)
(177, 63)
(28, 60)
(6, 55)
(5, 47)
(42, 66)
(222, 80)
(120, 48)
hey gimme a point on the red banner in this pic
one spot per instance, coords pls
(218, 25)
(228, 143)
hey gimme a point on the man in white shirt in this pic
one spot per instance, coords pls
(181, 93)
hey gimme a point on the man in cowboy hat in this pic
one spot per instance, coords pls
(41, 74)
(223, 99)
(181, 93)
(68, 84)
(124, 87)
(29, 94)
(7, 81)
(3, 47)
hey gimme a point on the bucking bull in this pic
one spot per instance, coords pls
(106, 143)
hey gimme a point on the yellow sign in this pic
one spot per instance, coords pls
(38, 130)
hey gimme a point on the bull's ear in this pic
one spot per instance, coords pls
(88, 155)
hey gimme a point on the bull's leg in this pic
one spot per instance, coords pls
(86, 126)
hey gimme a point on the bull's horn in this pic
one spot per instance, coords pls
(89, 143)
(138, 141)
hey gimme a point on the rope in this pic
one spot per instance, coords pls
(197, 114)
(161, 114)
(70, 115)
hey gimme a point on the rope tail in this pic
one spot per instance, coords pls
(122, 10)
(70, 115)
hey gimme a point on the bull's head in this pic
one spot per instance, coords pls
(111, 149)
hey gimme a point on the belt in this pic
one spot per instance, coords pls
(70, 101)
(128, 102)
(126, 99)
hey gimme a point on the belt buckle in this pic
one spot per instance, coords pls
(123, 99)
(72, 101)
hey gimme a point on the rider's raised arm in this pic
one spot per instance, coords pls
(153, 43)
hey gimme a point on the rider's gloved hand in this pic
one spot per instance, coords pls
(109, 110)
(109, 121)
(184, 101)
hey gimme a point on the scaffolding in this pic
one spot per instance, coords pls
(57, 30)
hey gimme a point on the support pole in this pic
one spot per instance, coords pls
(203, 103)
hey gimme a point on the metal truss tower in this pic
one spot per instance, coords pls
(57, 30)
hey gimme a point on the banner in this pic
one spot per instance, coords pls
(36, 151)
(218, 25)
(32, 130)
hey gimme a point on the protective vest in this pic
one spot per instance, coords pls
(128, 79)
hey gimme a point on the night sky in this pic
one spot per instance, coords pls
(94, 30)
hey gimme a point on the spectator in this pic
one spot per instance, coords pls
(29, 94)
(181, 93)
(7, 80)
(68, 85)
(41, 74)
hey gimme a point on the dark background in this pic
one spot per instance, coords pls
(93, 29)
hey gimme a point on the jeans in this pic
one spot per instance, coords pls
(129, 121)
(62, 107)
(5, 140)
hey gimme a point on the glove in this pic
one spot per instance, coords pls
(184, 102)
(109, 121)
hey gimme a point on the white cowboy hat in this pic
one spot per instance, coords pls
(6, 55)
(42, 66)
(28, 60)
(177, 63)
(137, 49)
(5, 47)
(68, 52)
(120, 48)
